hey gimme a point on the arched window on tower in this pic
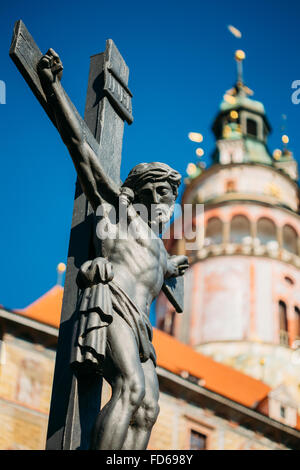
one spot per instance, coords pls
(252, 127)
(239, 229)
(283, 324)
(266, 232)
(214, 231)
(290, 239)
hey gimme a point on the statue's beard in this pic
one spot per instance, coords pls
(160, 216)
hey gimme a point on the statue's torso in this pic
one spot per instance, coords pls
(138, 257)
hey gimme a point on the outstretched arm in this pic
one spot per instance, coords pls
(95, 184)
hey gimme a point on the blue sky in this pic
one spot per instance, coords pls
(180, 56)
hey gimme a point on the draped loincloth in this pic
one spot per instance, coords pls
(98, 306)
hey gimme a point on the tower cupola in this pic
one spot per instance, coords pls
(241, 126)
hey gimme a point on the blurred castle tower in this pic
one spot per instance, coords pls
(242, 291)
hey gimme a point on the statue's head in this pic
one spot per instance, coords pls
(155, 186)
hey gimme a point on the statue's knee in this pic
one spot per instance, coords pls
(135, 390)
(147, 414)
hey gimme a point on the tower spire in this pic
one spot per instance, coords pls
(240, 57)
(239, 90)
(240, 86)
(241, 126)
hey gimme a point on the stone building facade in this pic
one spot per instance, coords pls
(27, 355)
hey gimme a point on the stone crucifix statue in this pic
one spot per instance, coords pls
(117, 263)
(119, 286)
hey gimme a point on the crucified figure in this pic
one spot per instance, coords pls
(120, 284)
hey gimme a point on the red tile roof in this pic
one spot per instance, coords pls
(47, 308)
(219, 378)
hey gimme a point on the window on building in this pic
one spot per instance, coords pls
(198, 441)
(289, 281)
(283, 324)
(252, 127)
(214, 231)
(290, 239)
(266, 230)
(239, 228)
(230, 186)
(282, 411)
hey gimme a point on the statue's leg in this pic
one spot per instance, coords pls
(123, 370)
(145, 417)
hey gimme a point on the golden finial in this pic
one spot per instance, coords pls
(60, 269)
(239, 57)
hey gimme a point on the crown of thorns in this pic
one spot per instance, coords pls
(151, 172)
